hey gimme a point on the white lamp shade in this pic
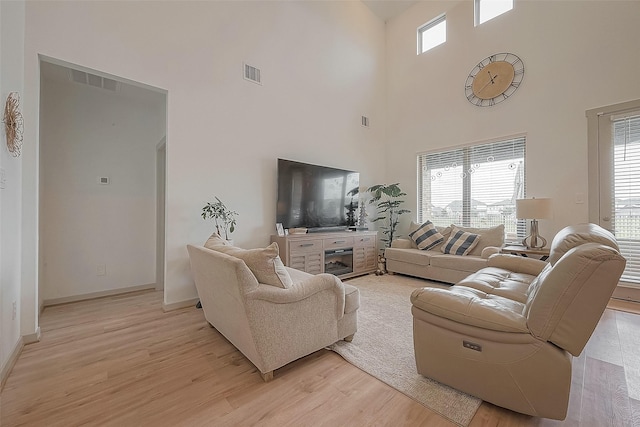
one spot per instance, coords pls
(533, 208)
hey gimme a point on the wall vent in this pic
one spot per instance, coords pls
(365, 121)
(93, 80)
(252, 74)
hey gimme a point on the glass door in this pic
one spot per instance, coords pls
(619, 184)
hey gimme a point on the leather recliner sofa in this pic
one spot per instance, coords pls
(507, 333)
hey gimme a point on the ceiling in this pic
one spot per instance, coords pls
(387, 9)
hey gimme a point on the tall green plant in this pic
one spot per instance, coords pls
(219, 212)
(388, 202)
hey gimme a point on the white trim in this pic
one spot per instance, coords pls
(94, 295)
(32, 338)
(180, 304)
(626, 293)
(8, 367)
(471, 144)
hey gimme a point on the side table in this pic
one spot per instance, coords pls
(541, 254)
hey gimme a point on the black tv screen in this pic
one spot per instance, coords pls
(315, 197)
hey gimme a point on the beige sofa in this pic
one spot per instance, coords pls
(404, 257)
(271, 324)
(507, 333)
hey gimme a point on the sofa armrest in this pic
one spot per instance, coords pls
(301, 291)
(402, 244)
(490, 250)
(517, 264)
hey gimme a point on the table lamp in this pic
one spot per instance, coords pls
(533, 209)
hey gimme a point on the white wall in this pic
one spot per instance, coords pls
(577, 55)
(86, 133)
(323, 66)
(11, 80)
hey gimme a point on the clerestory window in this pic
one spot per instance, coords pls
(432, 34)
(489, 9)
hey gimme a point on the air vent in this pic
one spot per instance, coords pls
(365, 121)
(252, 74)
(93, 80)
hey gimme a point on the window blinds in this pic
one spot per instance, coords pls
(474, 186)
(626, 191)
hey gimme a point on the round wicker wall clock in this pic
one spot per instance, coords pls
(494, 79)
(13, 124)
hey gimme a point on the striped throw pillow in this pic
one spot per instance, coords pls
(426, 236)
(460, 242)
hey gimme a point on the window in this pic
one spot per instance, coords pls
(474, 186)
(432, 34)
(489, 9)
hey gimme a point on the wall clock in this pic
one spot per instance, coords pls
(13, 124)
(494, 79)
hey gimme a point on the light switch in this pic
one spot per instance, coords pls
(579, 198)
(3, 179)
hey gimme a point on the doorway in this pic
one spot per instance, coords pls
(614, 184)
(99, 225)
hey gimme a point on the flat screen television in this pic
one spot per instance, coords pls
(316, 197)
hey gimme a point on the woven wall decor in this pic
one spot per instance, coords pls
(13, 124)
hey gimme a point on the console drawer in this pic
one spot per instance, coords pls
(305, 246)
(338, 242)
(364, 241)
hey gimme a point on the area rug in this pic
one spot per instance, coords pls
(383, 346)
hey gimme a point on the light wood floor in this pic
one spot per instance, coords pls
(121, 361)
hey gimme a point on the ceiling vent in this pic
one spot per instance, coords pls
(93, 80)
(252, 74)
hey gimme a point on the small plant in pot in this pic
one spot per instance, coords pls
(224, 218)
(388, 202)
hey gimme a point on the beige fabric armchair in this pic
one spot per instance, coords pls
(272, 325)
(507, 333)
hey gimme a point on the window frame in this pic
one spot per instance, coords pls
(442, 18)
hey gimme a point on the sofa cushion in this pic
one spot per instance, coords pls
(472, 307)
(460, 242)
(215, 240)
(470, 264)
(492, 236)
(411, 256)
(264, 263)
(576, 235)
(351, 298)
(498, 281)
(426, 236)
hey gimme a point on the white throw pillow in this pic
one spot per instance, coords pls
(215, 240)
(264, 263)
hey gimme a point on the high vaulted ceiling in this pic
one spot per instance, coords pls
(387, 9)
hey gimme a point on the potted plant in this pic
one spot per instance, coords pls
(387, 198)
(224, 218)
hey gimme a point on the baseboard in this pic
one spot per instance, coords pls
(13, 358)
(623, 305)
(31, 338)
(94, 295)
(178, 305)
(626, 293)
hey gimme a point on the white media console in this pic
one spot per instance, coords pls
(343, 253)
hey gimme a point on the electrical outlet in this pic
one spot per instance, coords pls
(14, 309)
(101, 270)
